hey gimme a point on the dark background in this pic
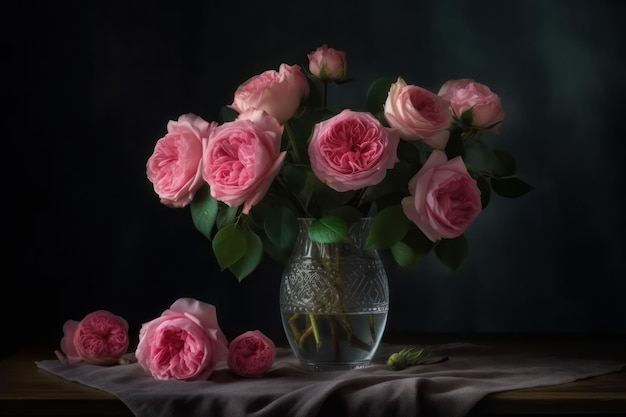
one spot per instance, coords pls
(89, 89)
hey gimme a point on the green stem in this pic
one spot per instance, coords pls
(291, 136)
(371, 319)
(306, 334)
(295, 202)
(294, 327)
(316, 331)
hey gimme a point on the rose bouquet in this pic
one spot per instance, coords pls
(414, 160)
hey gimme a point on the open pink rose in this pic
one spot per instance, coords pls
(184, 343)
(242, 158)
(467, 95)
(327, 63)
(174, 166)
(444, 199)
(418, 114)
(352, 150)
(251, 354)
(277, 92)
(100, 338)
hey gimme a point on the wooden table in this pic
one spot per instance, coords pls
(25, 390)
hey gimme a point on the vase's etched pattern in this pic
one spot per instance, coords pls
(362, 286)
(334, 278)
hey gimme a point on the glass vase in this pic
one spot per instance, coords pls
(334, 300)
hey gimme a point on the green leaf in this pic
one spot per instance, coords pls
(229, 245)
(510, 187)
(281, 227)
(412, 248)
(502, 163)
(349, 214)
(328, 229)
(228, 114)
(452, 252)
(297, 133)
(389, 226)
(455, 146)
(403, 254)
(252, 257)
(377, 94)
(326, 198)
(484, 187)
(314, 99)
(394, 186)
(204, 211)
(274, 252)
(296, 177)
(467, 117)
(410, 152)
(226, 215)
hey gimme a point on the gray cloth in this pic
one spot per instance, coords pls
(449, 388)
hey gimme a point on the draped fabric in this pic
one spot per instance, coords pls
(448, 388)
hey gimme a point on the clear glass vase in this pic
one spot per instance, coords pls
(334, 300)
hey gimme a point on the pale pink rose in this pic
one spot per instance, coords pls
(352, 150)
(184, 343)
(100, 338)
(242, 158)
(277, 92)
(251, 354)
(328, 63)
(418, 114)
(174, 166)
(444, 198)
(466, 94)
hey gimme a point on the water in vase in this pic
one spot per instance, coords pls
(327, 342)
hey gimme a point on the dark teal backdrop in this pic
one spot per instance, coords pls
(90, 89)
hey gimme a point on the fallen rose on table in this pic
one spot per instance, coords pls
(100, 338)
(251, 354)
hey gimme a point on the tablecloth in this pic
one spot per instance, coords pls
(450, 388)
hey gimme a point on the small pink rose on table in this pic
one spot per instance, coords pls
(184, 343)
(251, 354)
(100, 338)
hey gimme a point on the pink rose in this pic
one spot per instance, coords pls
(418, 114)
(174, 166)
(352, 150)
(251, 354)
(278, 93)
(184, 343)
(242, 158)
(467, 95)
(100, 338)
(444, 199)
(327, 63)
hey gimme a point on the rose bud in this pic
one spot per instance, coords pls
(327, 63)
